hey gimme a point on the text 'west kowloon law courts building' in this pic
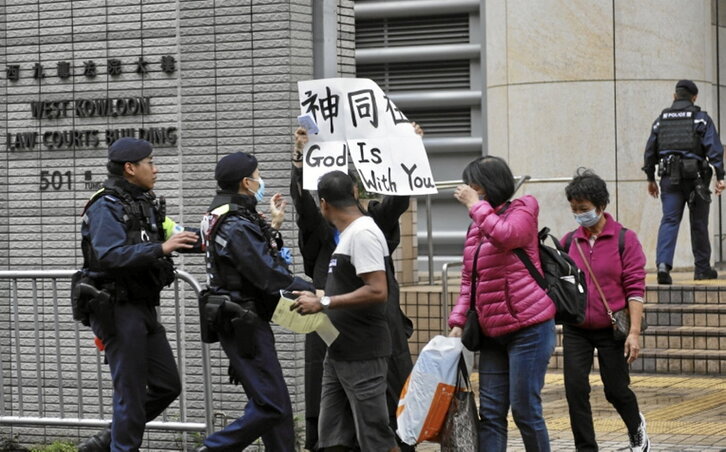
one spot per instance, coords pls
(549, 85)
(198, 79)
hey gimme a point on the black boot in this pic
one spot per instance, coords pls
(100, 442)
(664, 276)
(710, 273)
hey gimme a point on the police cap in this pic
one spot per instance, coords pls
(689, 86)
(129, 150)
(235, 167)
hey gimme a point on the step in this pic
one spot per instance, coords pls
(685, 294)
(666, 361)
(677, 337)
(686, 314)
(684, 337)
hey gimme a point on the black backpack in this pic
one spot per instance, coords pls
(563, 282)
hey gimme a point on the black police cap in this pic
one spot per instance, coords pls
(689, 86)
(235, 167)
(129, 150)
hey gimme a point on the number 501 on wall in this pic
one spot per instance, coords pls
(54, 180)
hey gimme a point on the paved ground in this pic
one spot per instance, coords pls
(684, 414)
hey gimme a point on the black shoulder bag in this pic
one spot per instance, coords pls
(471, 337)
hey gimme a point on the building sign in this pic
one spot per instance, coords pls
(86, 108)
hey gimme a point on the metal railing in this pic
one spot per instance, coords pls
(445, 308)
(38, 400)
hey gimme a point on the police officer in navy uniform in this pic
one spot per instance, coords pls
(683, 143)
(246, 267)
(126, 241)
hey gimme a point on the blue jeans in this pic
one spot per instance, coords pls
(511, 372)
(674, 199)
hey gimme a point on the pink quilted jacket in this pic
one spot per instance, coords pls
(507, 297)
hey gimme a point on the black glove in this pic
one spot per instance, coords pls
(233, 378)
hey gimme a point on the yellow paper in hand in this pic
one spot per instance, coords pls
(303, 324)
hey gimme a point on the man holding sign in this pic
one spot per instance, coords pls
(353, 402)
(317, 241)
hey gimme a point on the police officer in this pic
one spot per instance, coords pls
(246, 271)
(683, 142)
(126, 240)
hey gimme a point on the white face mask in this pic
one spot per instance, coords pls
(587, 219)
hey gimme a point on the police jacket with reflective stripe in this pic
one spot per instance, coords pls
(669, 135)
(121, 249)
(244, 262)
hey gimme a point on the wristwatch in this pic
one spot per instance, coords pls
(325, 302)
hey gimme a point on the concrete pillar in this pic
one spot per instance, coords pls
(573, 84)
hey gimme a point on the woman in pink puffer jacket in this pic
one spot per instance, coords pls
(515, 315)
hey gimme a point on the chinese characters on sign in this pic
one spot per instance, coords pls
(90, 69)
(358, 122)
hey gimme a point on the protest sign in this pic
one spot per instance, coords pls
(358, 122)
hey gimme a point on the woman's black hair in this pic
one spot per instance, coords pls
(494, 176)
(588, 186)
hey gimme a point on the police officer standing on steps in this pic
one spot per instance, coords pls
(126, 240)
(246, 270)
(683, 142)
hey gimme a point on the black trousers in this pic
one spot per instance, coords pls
(143, 369)
(579, 346)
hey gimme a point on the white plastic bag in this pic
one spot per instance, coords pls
(428, 391)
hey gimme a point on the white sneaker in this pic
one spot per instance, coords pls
(639, 442)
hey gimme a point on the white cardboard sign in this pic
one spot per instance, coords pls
(357, 121)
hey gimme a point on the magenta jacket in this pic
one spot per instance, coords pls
(507, 297)
(620, 279)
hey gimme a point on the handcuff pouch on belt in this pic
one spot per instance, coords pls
(219, 314)
(86, 299)
(679, 169)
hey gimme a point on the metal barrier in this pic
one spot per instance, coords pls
(60, 392)
(445, 308)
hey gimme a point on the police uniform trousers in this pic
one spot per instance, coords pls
(143, 370)
(674, 199)
(268, 413)
(315, 350)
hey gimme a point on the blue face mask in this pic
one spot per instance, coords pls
(587, 219)
(260, 193)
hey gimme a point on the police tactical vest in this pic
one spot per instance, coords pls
(144, 220)
(677, 131)
(219, 275)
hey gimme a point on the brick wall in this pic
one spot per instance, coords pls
(232, 87)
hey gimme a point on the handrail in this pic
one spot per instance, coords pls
(206, 363)
(21, 419)
(445, 293)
